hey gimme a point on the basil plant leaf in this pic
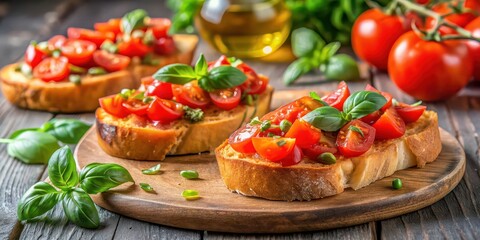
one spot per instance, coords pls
(133, 20)
(68, 131)
(328, 51)
(362, 103)
(201, 67)
(38, 199)
(20, 131)
(305, 41)
(62, 169)
(296, 69)
(98, 177)
(224, 77)
(176, 74)
(33, 147)
(80, 209)
(326, 118)
(342, 67)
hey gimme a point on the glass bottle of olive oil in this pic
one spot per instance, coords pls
(244, 28)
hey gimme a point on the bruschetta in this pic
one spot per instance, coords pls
(191, 112)
(317, 147)
(69, 74)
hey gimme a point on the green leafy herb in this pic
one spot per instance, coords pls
(397, 183)
(31, 146)
(76, 69)
(190, 194)
(189, 174)
(201, 67)
(133, 20)
(95, 71)
(255, 121)
(193, 114)
(327, 158)
(75, 79)
(357, 130)
(148, 38)
(296, 69)
(305, 42)
(176, 73)
(185, 11)
(153, 170)
(19, 131)
(362, 103)
(285, 125)
(38, 199)
(265, 125)
(317, 97)
(281, 142)
(326, 118)
(416, 104)
(223, 77)
(68, 131)
(341, 67)
(109, 46)
(62, 169)
(150, 60)
(26, 70)
(80, 209)
(96, 177)
(146, 187)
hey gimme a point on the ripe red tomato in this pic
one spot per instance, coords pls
(458, 19)
(241, 139)
(372, 117)
(273, 149)
(78, 52)
(33, 56)
(387, 96)
(305, 133)
(351, 143)
(159, 26)
(222, 60)
(90, 35)
(136, 107)
(191, 94)
(314, 151)
(373, 35)
(429, 70)
(134, 47)
(159, 89)
(52, 69)
(226, 99)
(292, 111)
(164, 111)
(56, 42)
(390, 125)
(113, 26)
(255, 84)
(110, 61)
(164, 46)
(337, 98)
(113, 105)
(474, 46)
(409, 113)
(293, 158)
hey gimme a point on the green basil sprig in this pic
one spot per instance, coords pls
(71, 189)
(133, 20)
(221, 77)
(356, 106)
(68, 131)
(313, 53)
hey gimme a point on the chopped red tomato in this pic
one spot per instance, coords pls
(134, 47)
(113, 26)
(136, 107)
(33, 56)
(355, 138)
(255, 84)
(110, 61)
(221, 61)
(78, 52)
(372, 117)
(226, 99)
(390, 125)
(304, 132)
(191, 94)
(164, 46)
(409, 113)
(387, 96)
(315, 150)
(293, 158)
(164, 111)
(56, 42)
(159, 89)
(273, 149)
(241, 139)
(337, 98)
(90, 35)
(159, 26)
(292, 111)
(52, 69)
(113, 105)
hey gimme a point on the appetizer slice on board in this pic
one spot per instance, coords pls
(70, 73)
(316, 147)
(182, 110)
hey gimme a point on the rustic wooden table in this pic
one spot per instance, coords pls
(455, 216)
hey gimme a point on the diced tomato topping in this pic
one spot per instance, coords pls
(134, 47)
(315, 150)
(226, 99)
(337, 98)
(164, 46)
(78, 52)
(56, 42)
(113, 105)
(159, 89)
(90, 35)
(355, 138)
(292, 111)
(52, 69)
(387, 96)
(293, 158)
(110, 61)
(304, 132)
(409, 113)
(159, 26)
(113, 26)
(191, 94)
(241, 139)
(164, 111)
(273, 149)
(390, 125)
(33, 56)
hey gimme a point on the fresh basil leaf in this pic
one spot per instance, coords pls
(38, 199)
(189, 174)
(20, 131)
(80, 209)
(176, 73)
(223, 77)
(325, 118)
(133, 20)
(305, 41)
(296, 69)
(68, 131)
(33, 147)
(146, 187)
(201, 67)
(328, 51)
(62, 169)
(153, 170)
(317, 97)
(97, 177)
(356, 129)
(362, 103)
(342, 67)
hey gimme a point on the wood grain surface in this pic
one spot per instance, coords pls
(220, 210)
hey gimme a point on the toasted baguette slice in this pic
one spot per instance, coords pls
(67, 97)
(135, 138)
(252, 176)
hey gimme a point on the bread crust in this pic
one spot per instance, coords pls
(135, 138)
(253, 176)
(66, 97)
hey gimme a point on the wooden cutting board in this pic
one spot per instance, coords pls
(220, 210)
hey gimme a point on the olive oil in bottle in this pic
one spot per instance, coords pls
(244, 28)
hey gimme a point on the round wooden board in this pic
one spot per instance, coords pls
(220, 210)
